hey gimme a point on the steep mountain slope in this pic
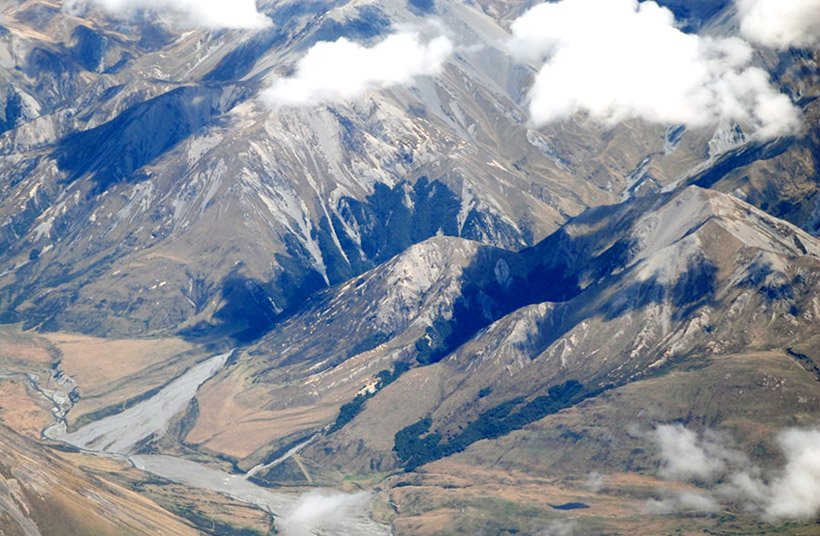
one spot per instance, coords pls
(297, 377)
(148, 189)
(779, 177)
(618, 294)
(700, 275)
(430, 300)
(41, 494)
(692, 307)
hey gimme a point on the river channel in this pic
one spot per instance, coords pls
(321, 511)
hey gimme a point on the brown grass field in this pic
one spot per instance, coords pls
(19, 410)
(94, 363)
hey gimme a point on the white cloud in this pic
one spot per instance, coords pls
(745, 487)
(795, 494)
(689, 457)
(344, 70)
(684, 501)
(212, 14)
(618, 59)
(558, 528)
(792, 493)
(321, 511)
(780, 23)
(595, 482)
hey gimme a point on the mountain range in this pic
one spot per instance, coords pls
(466, 320)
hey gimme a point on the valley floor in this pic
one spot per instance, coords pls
(526, 482)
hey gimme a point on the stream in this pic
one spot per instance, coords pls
(321, 511)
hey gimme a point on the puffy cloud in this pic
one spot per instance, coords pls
(618, 59)
(211, 14)
(781, 23)
(682, 457)
(689, 457)
(745, 486)
(795, 494)
(321, 510)
(343, 70)
(792, 493)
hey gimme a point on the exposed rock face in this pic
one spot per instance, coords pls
(147, 189)
(415, 279)
(618, 295)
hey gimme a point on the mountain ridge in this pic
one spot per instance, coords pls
(137, 199)
(478, 324)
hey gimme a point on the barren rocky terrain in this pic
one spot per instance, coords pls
(416, 308)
